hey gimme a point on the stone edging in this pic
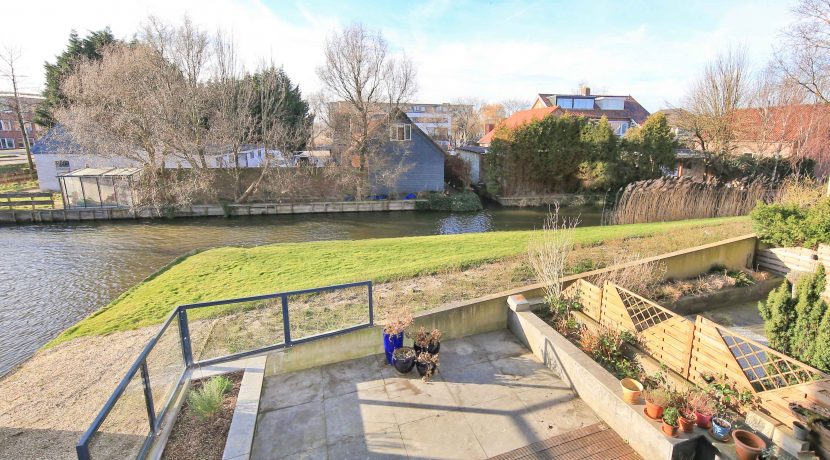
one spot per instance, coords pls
(243, 423)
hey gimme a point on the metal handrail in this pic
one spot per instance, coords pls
(180, 313)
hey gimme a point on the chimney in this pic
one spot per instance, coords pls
(585, 90)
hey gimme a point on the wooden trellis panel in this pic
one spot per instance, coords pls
(589, 295)
(782, 261)
(614, 314)
(669, 342)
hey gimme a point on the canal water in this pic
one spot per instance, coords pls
(54, 275)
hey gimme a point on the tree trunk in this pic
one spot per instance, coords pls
(19, 113)
(253, 187)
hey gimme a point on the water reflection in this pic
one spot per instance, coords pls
(57, 274)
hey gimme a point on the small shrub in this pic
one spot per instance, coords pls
(670, 416)
(779, 316)
(658, 396)
(207, 400)
(701, 402)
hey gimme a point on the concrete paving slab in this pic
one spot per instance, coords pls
(524, 373)
(288, 431)
(500, 425)
(415, 399)
(498, 344)
(349, 376)
(385, 444)
(460, 353)
(553, 412)
(442, 436)
(292, 389)
(476, 384)
(365, 411)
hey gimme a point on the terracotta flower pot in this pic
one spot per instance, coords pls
(748, 445)
(703, 421)
(687, 425)
(653, 410)
(631, 390)
(669, 430)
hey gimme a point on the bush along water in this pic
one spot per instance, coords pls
(456, 202)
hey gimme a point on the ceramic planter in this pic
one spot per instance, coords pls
(801, 432)
(433, 348)
(687, 424)
(703, 421)
(720, 427)
(403, 359)
(390, 344)
(423, 368)
(669, 430)
(631, 390)
(653, 410)
(748, 445)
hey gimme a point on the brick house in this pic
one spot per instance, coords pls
(11, 133)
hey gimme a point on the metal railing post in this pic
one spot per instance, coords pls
(371, 307)
(83, 451)
(286, 325)
(184, 333)
(148, 396)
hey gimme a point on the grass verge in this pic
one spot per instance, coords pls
(230, 272)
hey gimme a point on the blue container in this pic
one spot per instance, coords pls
(719, 431)
(390, 344)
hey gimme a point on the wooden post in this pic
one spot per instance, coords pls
(689, 348)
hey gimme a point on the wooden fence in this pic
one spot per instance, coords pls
(783, 261)
(694, 348)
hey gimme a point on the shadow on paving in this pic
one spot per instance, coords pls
(490, 396)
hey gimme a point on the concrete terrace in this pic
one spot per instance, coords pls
(491, 397)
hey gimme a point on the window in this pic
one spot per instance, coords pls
(565, 102)
(5, 126)
(585, 104)
(7, 143)
(401, 132)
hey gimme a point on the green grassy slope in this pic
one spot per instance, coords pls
(231, 272)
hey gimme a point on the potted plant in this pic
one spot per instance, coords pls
(429, 341)
(427, 364)
(748, 445)
(631, 390)
(656, 402)
(669, 426)
(721, 428)
(687, 419)
(403, 359)
(703, 406)
(393, 330)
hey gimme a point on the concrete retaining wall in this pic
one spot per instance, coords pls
(597, 388)
(456, 320)
(724, 298)
(214, 210)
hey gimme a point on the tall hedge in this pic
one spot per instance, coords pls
(792, 225)
(779, 316)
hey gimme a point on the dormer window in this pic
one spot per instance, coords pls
(400, 132)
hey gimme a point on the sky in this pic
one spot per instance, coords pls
(490, 50)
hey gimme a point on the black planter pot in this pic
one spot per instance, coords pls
(432, 348)
(422, 368)
(404, 366)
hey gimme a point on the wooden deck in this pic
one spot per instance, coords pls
(596, 441)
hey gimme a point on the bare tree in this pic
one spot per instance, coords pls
(710, 103)
(804, 57)
(17, 105)
(512, 106)
(177, 103)
(466, 120)
(365, 86)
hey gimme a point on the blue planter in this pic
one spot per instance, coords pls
(720, 431)
(390, 344)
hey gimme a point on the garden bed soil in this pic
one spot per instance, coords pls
(196, 439)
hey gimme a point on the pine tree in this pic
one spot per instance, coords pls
(821, 356)
(810, 310)
(89, 47)
(779, 317)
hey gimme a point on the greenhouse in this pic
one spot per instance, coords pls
(98, 188)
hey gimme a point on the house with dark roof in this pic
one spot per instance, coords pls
(407, 159)
(622, 112)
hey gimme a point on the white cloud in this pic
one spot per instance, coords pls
(635, 60)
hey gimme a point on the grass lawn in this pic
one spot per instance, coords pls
(231, 272)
